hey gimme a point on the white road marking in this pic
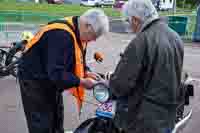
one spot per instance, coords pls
(68, 132)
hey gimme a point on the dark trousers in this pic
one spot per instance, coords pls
(43, 108)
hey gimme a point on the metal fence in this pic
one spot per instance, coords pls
(189, 25)
(26, 17)
(11, 31)
(14, 22)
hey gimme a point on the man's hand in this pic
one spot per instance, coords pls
(92, 75)
(88, 83)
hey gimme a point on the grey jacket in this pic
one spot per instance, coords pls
(149, 74)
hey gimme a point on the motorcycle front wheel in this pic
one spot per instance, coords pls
(97, 125)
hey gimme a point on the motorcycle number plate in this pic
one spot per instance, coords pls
(107, 109)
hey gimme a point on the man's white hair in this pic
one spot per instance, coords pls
(98, 20)
(143, 9)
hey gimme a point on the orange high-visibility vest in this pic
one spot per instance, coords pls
(78, 92)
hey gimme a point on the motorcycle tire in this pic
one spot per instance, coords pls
(10, 56)
(97, 125)
(180, 113)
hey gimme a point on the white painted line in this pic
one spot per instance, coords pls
(192, 55)
(126, 41)
(193, 79)
(68, 132)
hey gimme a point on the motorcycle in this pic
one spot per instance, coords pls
(9, 58)
(10, 55)
(110, 108)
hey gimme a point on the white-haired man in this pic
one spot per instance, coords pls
(54, 61)
(149, 72)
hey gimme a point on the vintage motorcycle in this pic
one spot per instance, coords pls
(10, 55)
(110, 108)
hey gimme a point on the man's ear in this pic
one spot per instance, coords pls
(134, 20)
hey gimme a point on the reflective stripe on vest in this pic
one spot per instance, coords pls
(79, 66)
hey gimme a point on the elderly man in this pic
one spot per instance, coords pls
(54, 61)
(149, 72)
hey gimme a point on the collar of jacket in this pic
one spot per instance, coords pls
(76, 23)
(148, 23)
(75, 20)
